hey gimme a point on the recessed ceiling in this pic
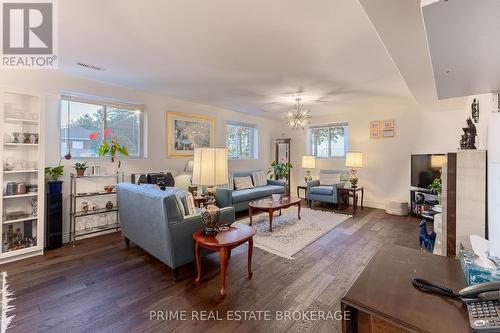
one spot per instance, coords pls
(249, 56)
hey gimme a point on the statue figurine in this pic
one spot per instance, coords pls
(469, 137)
(475, 110)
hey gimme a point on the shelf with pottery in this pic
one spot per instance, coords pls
(86, 218)
(21, 175)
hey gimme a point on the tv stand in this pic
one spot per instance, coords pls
(419, 205)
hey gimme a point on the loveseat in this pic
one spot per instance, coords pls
(156, 221)
(239, 199)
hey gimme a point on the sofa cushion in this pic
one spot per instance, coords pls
(241, 183)
(256, 193)
(185, 197)
(322, 190)
(329, 178)
(259, 178)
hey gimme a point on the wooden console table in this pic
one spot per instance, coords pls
(383, 298)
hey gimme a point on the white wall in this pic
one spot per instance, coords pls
(386, 171)
(52, 84)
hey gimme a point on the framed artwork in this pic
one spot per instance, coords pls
(388, 133)
(375, 134)
(188, 131)
(375, 125)
(388, 124)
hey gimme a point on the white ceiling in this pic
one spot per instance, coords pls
(464, 48)
(249, 56)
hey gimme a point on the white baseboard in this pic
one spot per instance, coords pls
(374, 204)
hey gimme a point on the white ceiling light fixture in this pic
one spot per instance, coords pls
(299, 116)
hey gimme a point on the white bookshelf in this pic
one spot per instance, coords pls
(22, 120)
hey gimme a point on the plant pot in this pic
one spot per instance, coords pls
(55, 186)
(80, 172)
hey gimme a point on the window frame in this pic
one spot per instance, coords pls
(106, 103)
(254, 142)
(330, 127)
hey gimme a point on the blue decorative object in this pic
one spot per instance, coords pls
(425, 239)
(475, 274)
(55, 186)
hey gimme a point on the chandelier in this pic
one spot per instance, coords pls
(299, 116)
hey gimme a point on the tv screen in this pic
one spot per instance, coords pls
(425, 168)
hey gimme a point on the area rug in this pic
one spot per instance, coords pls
(290, 235)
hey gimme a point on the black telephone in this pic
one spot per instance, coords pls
(481, 300)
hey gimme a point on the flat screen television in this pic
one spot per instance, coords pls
(425, 168)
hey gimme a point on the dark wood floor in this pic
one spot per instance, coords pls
(102, 286)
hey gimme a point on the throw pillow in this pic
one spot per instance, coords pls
(185, 197)
(329, 179)
(152, 186)
(241, 183)
(259, 178)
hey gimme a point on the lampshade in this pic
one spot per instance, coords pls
(189, 166)
(210, 166)
(437, 161)
(308, 162)
(354, 160)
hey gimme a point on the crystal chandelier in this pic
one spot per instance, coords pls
(299, 116)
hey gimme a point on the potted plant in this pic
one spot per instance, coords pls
(54, 175)
(436, 187)
(80, 168)
(109, 145)
(280, 169)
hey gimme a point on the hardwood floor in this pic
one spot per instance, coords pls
(103, 286)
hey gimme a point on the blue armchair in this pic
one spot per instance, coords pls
(326, 192)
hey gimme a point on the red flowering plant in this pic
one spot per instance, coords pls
(109, 145)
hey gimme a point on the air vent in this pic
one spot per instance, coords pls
(96, 68)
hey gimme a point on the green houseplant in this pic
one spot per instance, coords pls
(80, 168)
(53, 176)
(280, 169)
(436, 187)
(109, 145)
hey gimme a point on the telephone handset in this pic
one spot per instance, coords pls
(482, 302)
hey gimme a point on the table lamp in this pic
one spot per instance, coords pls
(210, 168)
(308, 162)
(354, 160)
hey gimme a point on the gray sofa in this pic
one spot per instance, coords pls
(155, 220)
(239, 199)
(326, 193)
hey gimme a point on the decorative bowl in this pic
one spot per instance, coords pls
(276, 197)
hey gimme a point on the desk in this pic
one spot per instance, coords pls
(383, 299)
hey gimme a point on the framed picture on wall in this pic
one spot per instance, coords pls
(188, 131)
(375, 134)
(388, 124)
(375, 125)
(388, 133)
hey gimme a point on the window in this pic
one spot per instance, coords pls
(80, 117)
(329, 141)
(241, 141)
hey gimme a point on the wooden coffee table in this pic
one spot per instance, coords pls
(223, 243)
(271, 206)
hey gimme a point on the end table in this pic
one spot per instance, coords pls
(223, 242)
(351, 192)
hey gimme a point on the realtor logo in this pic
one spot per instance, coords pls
(28, 34)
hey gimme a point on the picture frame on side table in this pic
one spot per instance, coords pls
(188, 131)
